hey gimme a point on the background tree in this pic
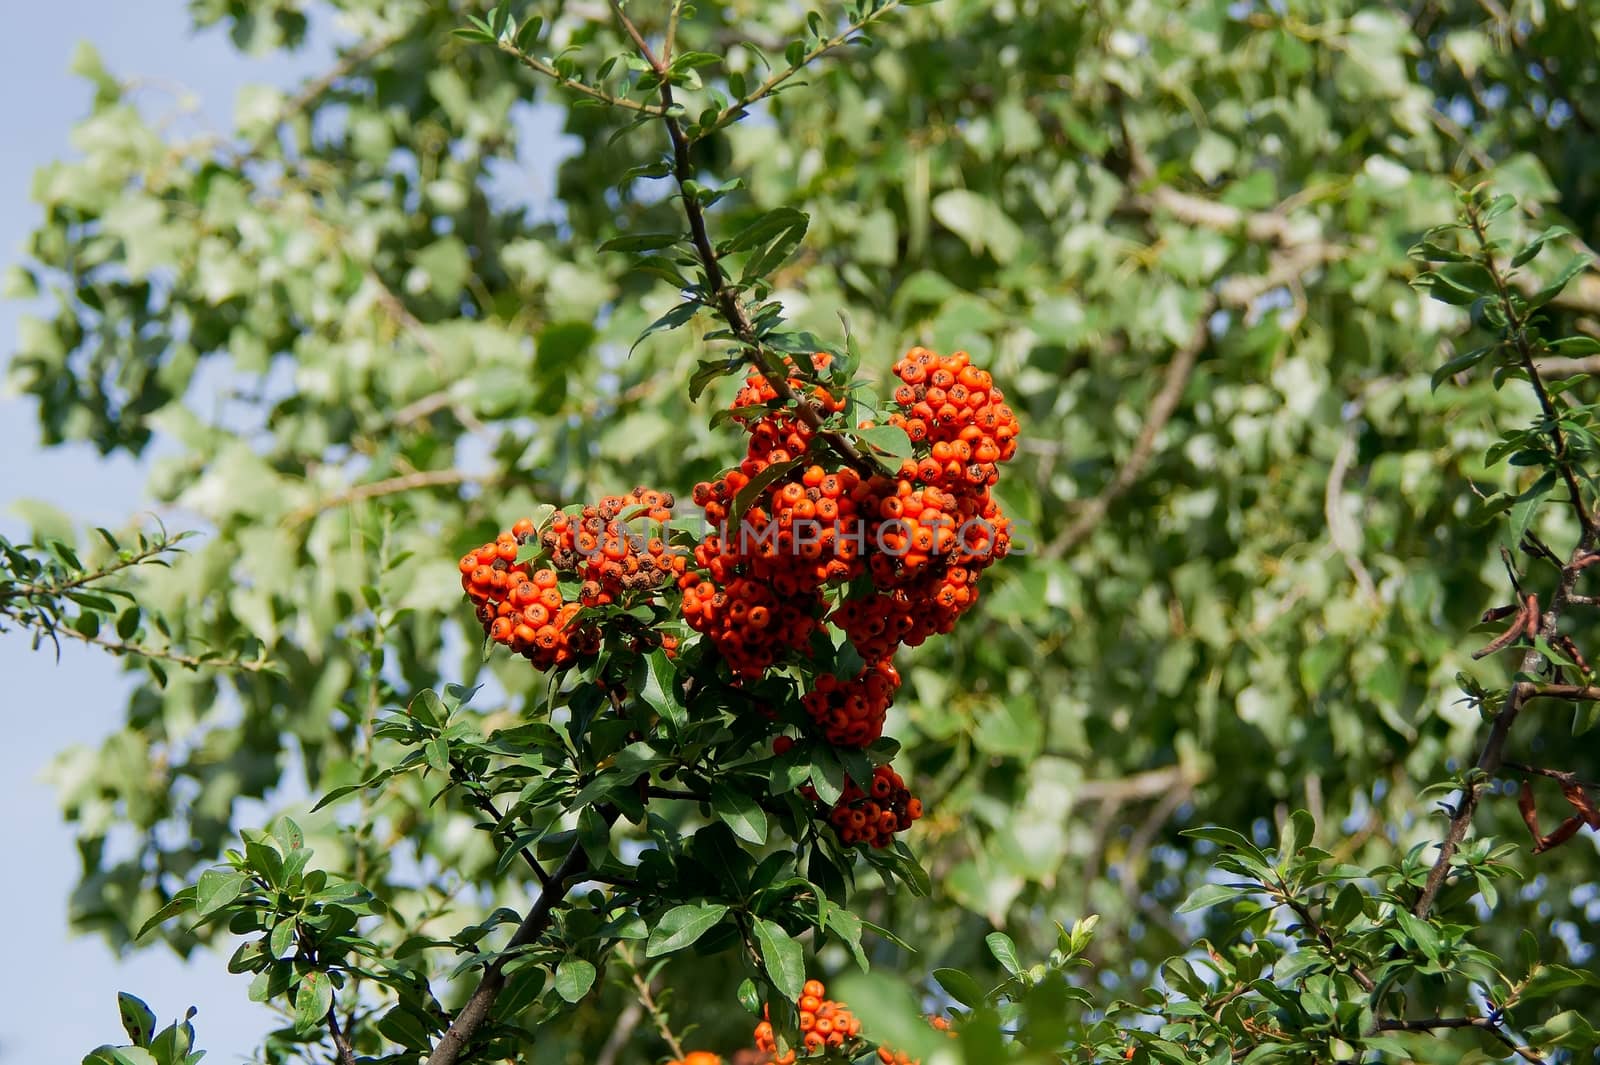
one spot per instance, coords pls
(1179, 233)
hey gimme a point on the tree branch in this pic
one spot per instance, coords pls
(476, 1010)
(409, 482)
(346, 1054)
(1161, 410)
(726, 297)
(1492, 756)
(556, 76)
(1430, 1024)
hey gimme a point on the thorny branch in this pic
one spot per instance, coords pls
(726, 296)
(1492, 756)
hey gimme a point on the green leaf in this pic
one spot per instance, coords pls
(1534, 246)
(748, 494)
(739, 812)
(1553, 289)
(594, 835)
(110, 1055)
(138, 1019)
(312, 1000)
(437, 752)
(1420, 932)
(678, 315)
(961, 987)
(1208, 895)
(1527, 505)
(1571, 347)
(642, 242)
(182, 902)
(217, 888)
(574, 978)
(1465, 361)
(783, 958)
(680, 926)
(428, 708)
(791, 230)
(889, 439)
(660, 691)
(1004, 951)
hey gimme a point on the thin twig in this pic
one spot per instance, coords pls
(409, 482)
(766, 88)
(1518, 332)
(163, 655)
(1492, 756)
(648, 1000)
(725, 295)
(487, 805)
(575, 85)
(1480, 1023)
(1560, 775)
(54, 591)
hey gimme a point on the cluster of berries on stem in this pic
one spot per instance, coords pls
(802, 540)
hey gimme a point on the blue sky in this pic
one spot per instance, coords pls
(59, 992)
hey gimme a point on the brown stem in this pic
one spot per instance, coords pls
(1161, 410)
(160, 547)
(341, 1044)
(409, 482)
(472, 1015)
(647, 998)
(1429, 1024)
(1516, 328)
(725, 295)
(1492, 756)
(1314, 926)
(486, 804)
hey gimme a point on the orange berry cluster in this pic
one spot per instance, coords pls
(873, 816)
(762, 586)
(954, 408)
(850, 713)
(698, 1057)
(824, 1024)
(522, 605)
(757, 590)
(942, 527)
(608, 556)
